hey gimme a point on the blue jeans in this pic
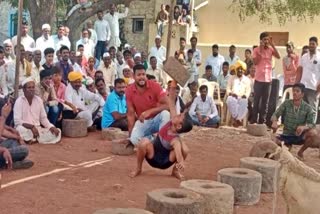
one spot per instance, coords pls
(291, 139)
(211, 122)
(53, 113)
(18, 152)
(100, 49)
(149, 127)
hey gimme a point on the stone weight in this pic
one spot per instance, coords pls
(218, 197)
(120, 147)
(245, 182)
(175, 201)
(257, 129)
(122, 211)
(269, 170)
(111, 133)
(74, 128)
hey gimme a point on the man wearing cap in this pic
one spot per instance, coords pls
(8, 51)
(113, 19)
(30, 117)
(137, 59)
(238, 91)
(77, 95)
(26, 40)
(48, 95)
(60, 39)
(45, 41)
(158, 51)
(109, 71)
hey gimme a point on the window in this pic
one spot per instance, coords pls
(137, 25)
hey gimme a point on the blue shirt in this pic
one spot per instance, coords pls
(114, 103)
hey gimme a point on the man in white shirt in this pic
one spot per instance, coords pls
(238, 90)
(93, 33)
(60, 39)
(76, 94)
(232, 58)
(215, 60)
(113, 19)
(102, 29)
(308, 73)
(196, 54)
(108, 70)
(8, 51)
(36, 66)
(157, 72)
(87, 43)
(120, 63)
(158, 51)
(26, 40)
(45, 41)
(203, 110)
(3, 76)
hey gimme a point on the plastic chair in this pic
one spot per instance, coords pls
(229, 118)
(201, 81)
(213, 88)
(287, 92)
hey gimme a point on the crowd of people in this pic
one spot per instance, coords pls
(128, 89)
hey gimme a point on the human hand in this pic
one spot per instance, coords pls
(35, 132)
(7, 156)
(271, 41)
(274, 126)
(180, 166)
(6, 109)
(143, 116)
(21, 141)
(205, 119)
(54, 131)
(299, 130)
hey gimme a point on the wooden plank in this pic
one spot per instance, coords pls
(176, 71)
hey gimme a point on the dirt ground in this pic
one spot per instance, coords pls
(82, 188)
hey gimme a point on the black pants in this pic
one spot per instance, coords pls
(121, 124)
(260, 101)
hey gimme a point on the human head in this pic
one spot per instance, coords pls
(208, 70)
(91, 62)
(56, 75)
(28, 87)
(153, 62)
(80, 49)
(98, 75)
(89, 25)
(176, 9)
(7, 44)
(240, 68)
(61, 31)
(49, 55)
(232, 50)
(190, 54)
(193, 41)
(112, 52)
(46, 29)
(203, 91)
(298, 91)
(29, 55)
(193, 87)
(85, 34)
(305, 50)
(126, 71)
(264, 39)
(89, 82)
(75, 79)
(139, 75)
(22, 52)
(182, 43)
(144, 56)
(100, 14)
(120, 86)
(137, 58)
(290, 48)
(158, 41)
(127, 54)
(225, 67)
(247, 54)
(215, 50)
(46, 77)
(24, 28)
(65, 53)
(182, 123)
(107, 59)
(313, 44)
(163, 7)
(251, 69)
(112, 8)
(101, 86)
(2, 62)
(119, 57)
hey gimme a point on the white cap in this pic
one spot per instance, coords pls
(158, 37)
(46, 26)
(126, 67)
(29, 79)
(89, 81)
(106, 54)
(30, 49)
(137, 55)
(7, 42)
(126, 46)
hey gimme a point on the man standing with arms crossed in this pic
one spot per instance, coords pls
(262, 58)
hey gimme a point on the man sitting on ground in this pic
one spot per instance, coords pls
(30, 117)
(48, 95)
(167, 149)
(115, 109)
(299, 120)
(101, 88)
(13, 152)
(77, 95)
(203, 110)
(238, 91)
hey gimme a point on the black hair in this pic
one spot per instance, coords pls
(215, 46)
(112, 47)
(208, 67)
(186, 125)
(118, 81)
(151, 77)
(248, 50)
(193, 38)
(84, 29)
(48, 51)
(153, 57)
(232, 46)
(45, 73)
(60, 26)
(263, 35)
(203, 87)
(138, 67)
(64, 48)
(1, 50)
(127, 52)
(80, 46)
(313, 39)
(182, 39)
(56, 70)
(225, 63)
(255, 46)
(98, 80)
(301, 86)
(305, 47)
(98, 71)
(99, 11)
(190, 51)
(24, 22)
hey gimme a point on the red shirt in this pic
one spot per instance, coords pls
(142, 101)
(264, 67)
(166, 137)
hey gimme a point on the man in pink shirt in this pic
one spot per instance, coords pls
(262, 58)
(290, 64)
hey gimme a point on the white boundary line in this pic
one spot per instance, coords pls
(86, 164)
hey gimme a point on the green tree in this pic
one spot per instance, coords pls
(284, 10)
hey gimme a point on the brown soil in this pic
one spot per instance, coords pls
(85, 190)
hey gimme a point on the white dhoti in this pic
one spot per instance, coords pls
(86, 115)
(45, 135)
(237, 107)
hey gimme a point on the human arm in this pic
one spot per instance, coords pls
(214, 111)
(256, 56)
(279, 112)
(52, 97)
(177, 148)
(163, 105)
(275, 52)
(108, 31)
(125, 13)
(131, 116)
(299, 74)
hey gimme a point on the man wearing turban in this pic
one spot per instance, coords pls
(238, 91)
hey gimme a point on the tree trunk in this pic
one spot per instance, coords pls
(41, 12)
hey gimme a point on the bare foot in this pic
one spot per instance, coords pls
(175, 173)
(135, 173)
(300, 156)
